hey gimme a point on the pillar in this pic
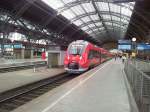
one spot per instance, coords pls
(22, 53)
(31, 53)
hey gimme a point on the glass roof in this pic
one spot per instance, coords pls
(94, 16)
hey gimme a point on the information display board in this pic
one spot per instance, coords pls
(124, 44)
(124, 47)
(17, 46)
(143, 46)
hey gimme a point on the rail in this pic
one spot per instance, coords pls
(140, 85)
(13, 99)
(22, 66)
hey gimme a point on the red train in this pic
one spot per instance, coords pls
(82, 55)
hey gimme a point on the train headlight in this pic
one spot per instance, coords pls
(68, 57)
(80, 58)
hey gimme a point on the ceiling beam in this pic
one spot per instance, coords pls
(101, 18)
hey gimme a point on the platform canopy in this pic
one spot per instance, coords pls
(104, 20)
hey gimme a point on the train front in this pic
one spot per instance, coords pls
(76, 58)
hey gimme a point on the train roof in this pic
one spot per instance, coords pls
(80, 42)
(83, 42)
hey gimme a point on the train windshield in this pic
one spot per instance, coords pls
(76, 49)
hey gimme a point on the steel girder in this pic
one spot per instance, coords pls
(121, 1)
(103, 13)
(76, 14)
(101, 18)
(110, 27)
(104, 33)
(75, 3)
(136, 26)
(9, 20)
(99, 27)
(79, 2)
(96, 21)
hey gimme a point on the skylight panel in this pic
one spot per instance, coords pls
(114, 8)
(106, 17)
(78, 10)
(55, 4)
(124, 21)
(68, 1)
(89, 31)
(115, 18)
(78, 22)
(101, 28)
(94, 17)
(91, 25)
(102, 6)
(88, 7)
(119, 26)
(99, 24)
(108, 23)
(129, 5)
(86, 19)
(85, 28)
(95, 29)
(126, 11)
(68, 14)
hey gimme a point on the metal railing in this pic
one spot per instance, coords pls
(140, 85)
(142, 65)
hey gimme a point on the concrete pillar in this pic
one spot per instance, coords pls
(22, 53)
(53, 60)
(31, 53)
(49, 61)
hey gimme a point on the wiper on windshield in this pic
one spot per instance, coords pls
(76, 54)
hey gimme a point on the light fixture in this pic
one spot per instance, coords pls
(133, 39)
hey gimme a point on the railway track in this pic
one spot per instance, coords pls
(12, 99)
(23, 66)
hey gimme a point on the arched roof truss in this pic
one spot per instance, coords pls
(96, 15)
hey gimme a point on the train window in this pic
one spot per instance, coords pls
(93, 54)
(90, 56)
(76, 49)
(103, 55)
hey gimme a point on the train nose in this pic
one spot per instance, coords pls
(73, 65)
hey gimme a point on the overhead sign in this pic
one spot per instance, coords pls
(124, 44)
(17, 46)
(124, 47)
(124, 41)
(12, 46)
(143, 46)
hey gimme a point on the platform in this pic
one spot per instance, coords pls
(17, 62)
(102, 89)
(11, 80)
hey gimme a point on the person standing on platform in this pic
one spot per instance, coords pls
(115, 57)
(123, 59)
(43, 55)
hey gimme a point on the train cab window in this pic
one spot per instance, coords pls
(76, 49)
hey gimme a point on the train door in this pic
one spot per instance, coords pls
(90, 58)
